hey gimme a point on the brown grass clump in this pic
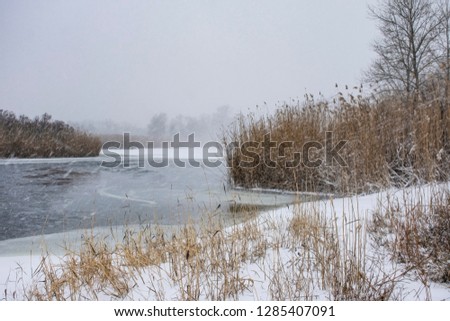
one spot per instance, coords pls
(84, 274)
(143, 248)
(417, 234)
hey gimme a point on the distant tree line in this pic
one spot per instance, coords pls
(204, 126)
(43, 137)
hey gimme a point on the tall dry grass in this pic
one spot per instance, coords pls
(416, 233)
(327, 249)
(308, 255)
(390, 141)
(43, 137)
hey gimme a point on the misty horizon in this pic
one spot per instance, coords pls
(84, 61)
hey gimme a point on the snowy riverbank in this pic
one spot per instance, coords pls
(270, 263)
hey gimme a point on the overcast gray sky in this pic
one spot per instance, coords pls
(126, 60)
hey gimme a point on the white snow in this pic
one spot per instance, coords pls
(17, 270)
(182, 153)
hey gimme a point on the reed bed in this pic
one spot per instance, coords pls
(389, 141)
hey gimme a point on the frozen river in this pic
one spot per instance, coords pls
(42, 196)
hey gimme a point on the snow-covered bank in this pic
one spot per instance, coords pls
(263, 259)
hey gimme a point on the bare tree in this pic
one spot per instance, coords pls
(157, 129)
(444, 60)
(409, 32)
